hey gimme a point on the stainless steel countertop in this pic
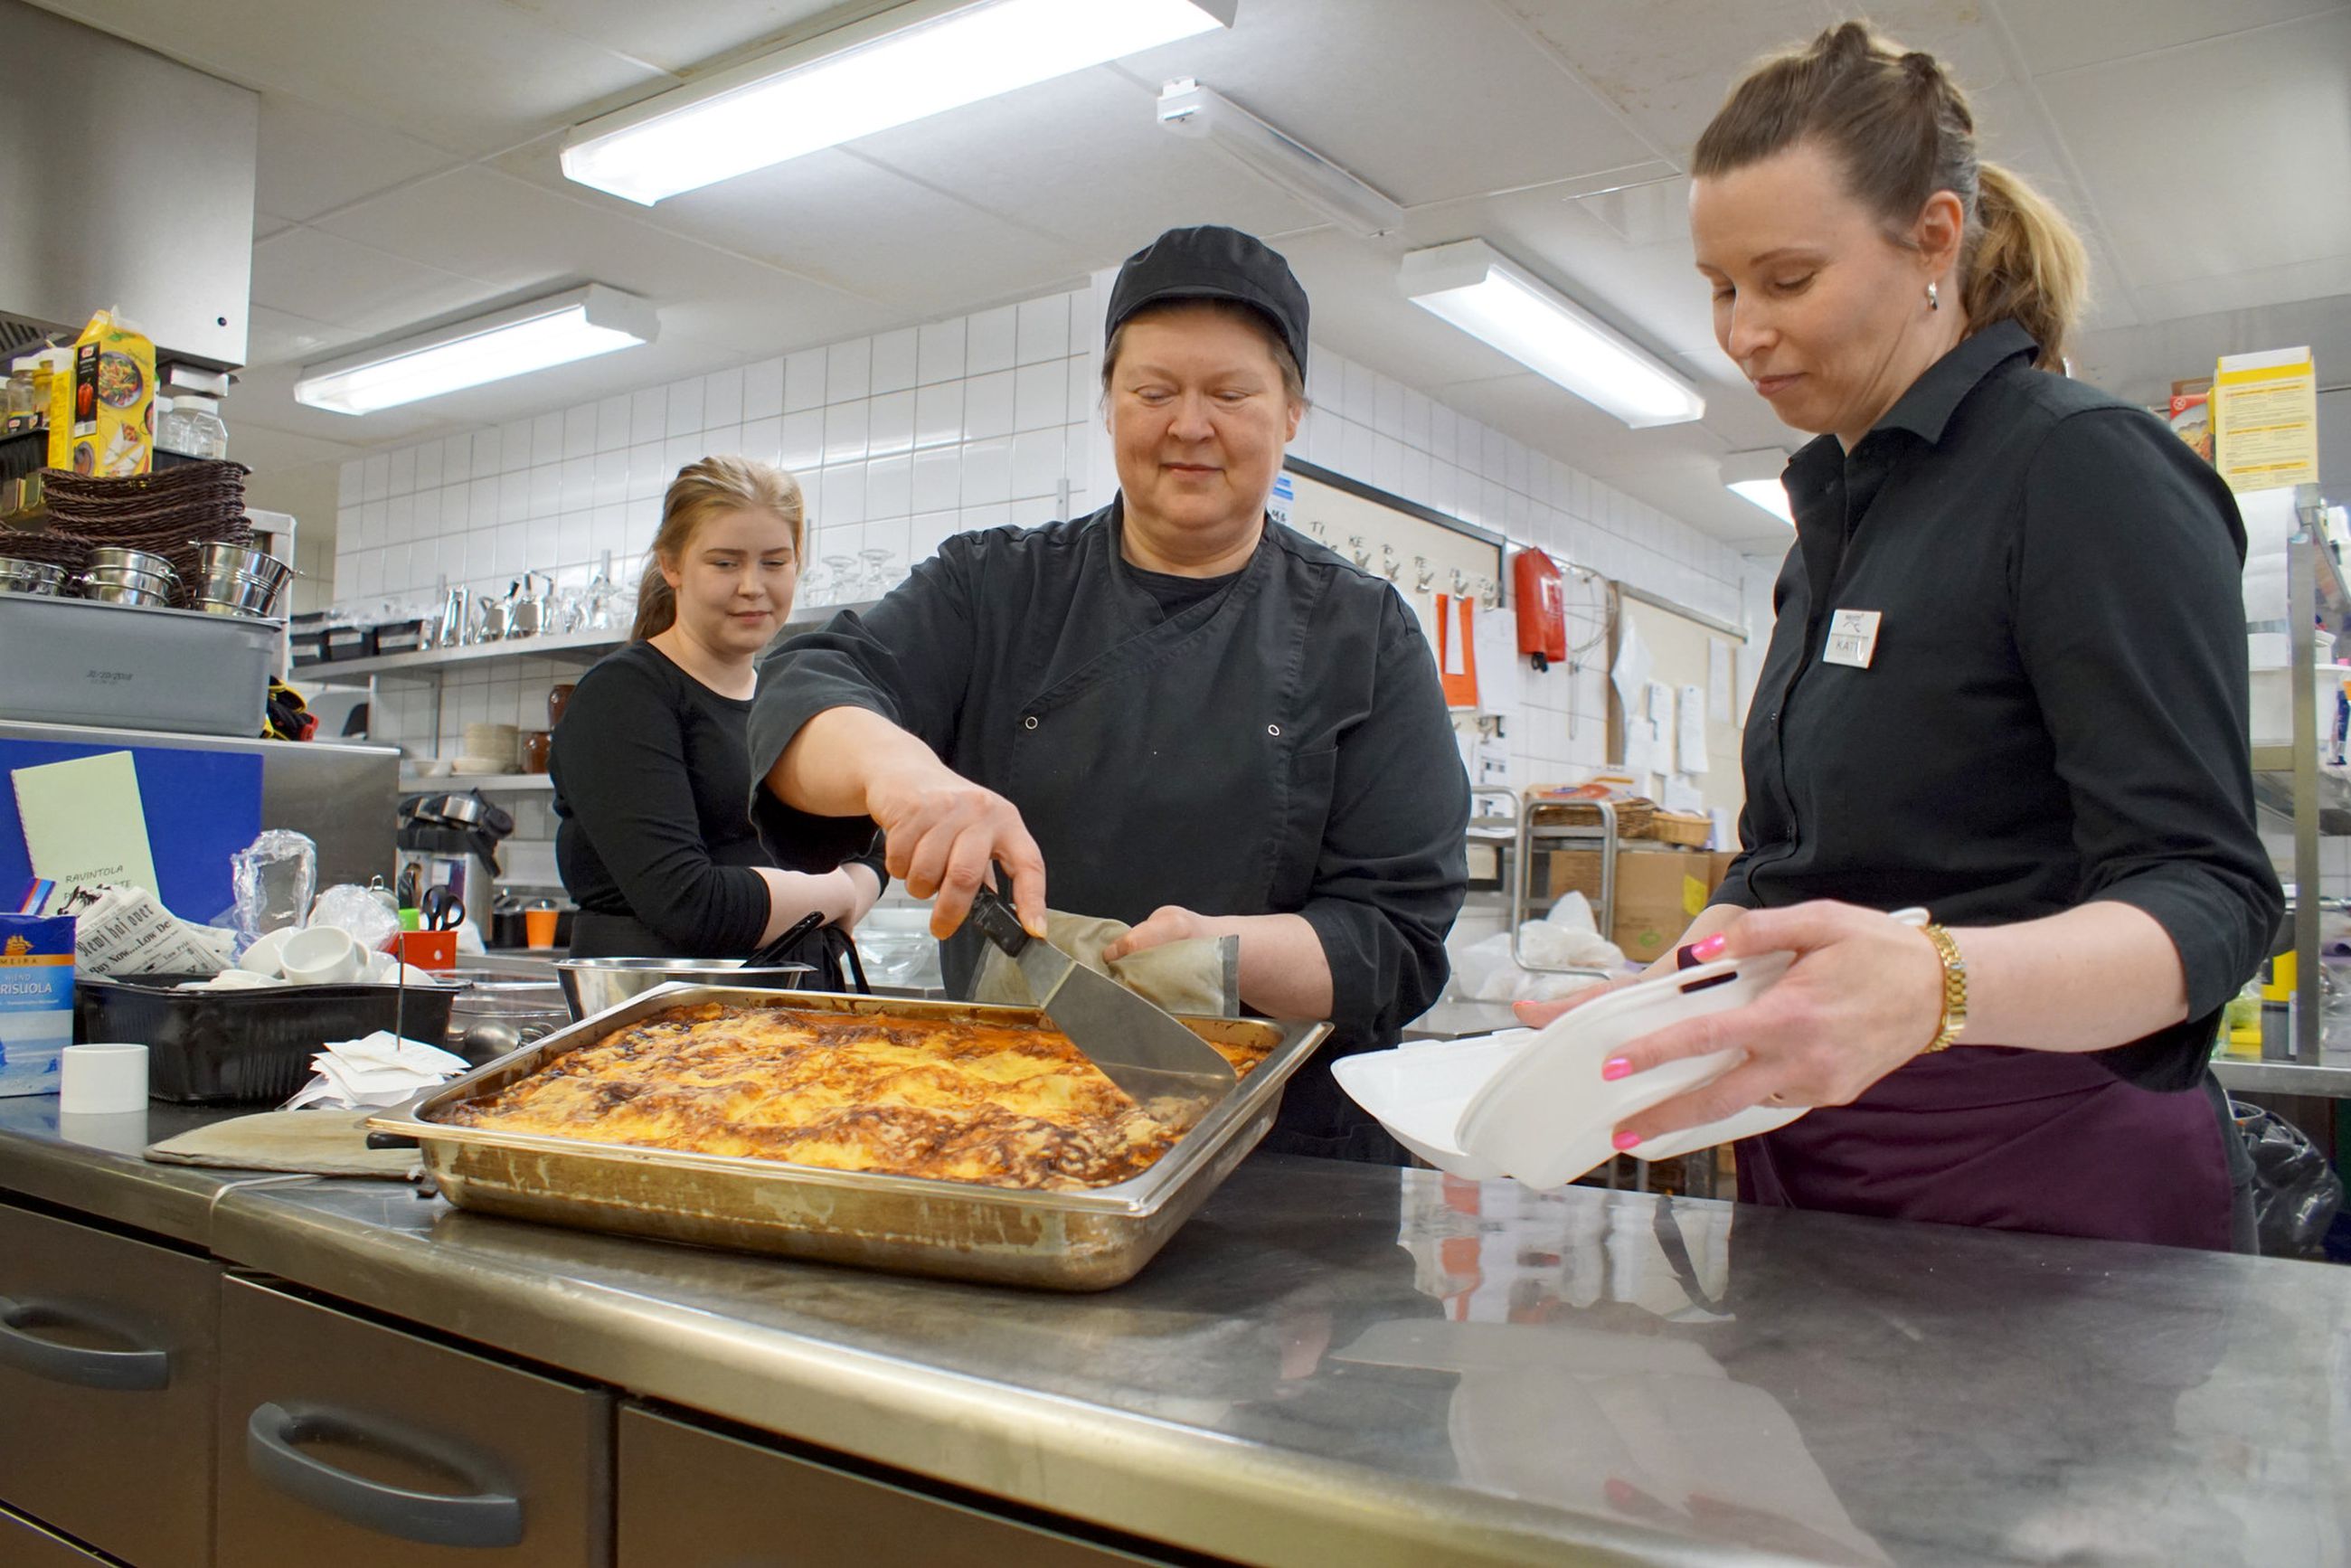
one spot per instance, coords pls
(93, 1163)
(1338, 1365)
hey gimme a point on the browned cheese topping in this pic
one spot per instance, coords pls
(1005, 1105)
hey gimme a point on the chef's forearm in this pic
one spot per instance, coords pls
(1284, 973)
(2096, 976)
(831, 764)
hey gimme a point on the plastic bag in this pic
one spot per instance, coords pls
(275, 877)
(358, 911)
(2295, 1193)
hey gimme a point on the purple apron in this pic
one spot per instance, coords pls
(2009, 1140)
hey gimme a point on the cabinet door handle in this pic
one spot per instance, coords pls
(485, 1518)
(118, 1370)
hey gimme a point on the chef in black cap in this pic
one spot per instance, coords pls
(1173, 713)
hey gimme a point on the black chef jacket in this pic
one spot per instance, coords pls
(2055, 708)
(1282, 745)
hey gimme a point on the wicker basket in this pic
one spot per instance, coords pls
(1679, 828)
(1632, 816)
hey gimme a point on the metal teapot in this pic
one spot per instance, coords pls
(492, 616)
(531, 613)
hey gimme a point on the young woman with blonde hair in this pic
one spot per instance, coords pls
(2006, 681)
(652, 780)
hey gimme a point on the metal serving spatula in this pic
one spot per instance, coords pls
(1139, 1048)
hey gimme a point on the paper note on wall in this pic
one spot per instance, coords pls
(2265, 419)
(1691, 749)
(1631, 671)
(84, 824)
(1717, 680)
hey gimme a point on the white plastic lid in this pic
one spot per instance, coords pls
(1548, 1116)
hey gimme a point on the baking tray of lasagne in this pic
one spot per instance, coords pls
(944, 1138)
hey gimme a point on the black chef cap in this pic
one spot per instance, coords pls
(1213, 263)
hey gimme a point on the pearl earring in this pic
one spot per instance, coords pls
(1933, 301)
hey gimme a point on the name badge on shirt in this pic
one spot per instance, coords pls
(1853, 638)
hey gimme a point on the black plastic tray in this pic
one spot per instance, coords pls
(243, 1046)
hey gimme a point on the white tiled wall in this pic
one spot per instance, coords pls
(903, 438)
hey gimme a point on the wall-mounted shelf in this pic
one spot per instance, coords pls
(571, 647)
(462, 783)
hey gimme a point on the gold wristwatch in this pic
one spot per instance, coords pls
(1955, 989)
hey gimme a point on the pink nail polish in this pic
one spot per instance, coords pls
(1615, 1067)
(1625, 1140)
(1709, 950)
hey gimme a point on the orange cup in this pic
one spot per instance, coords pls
(539, 927)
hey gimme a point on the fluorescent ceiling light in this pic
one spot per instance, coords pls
(1187, 108)
(1486, 294)
(1754, 476)
(911, 62)
(577, 324)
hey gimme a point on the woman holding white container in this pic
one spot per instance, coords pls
(2007, 683)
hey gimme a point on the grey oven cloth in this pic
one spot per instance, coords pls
(312, 1143)
(1200, 977)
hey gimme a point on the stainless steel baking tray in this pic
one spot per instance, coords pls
(1084, 1241)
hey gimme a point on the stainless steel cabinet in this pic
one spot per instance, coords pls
(343, 1442)
(692, 1497)
(24, 1545)
(107, 1351)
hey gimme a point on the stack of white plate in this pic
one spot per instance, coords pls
(1532, 1104)
(490, 748)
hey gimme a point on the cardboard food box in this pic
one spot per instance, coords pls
(1660, 889)
(36, 1000)
(102, 409)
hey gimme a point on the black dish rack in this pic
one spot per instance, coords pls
(245, 1047)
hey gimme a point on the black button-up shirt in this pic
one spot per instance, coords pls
(2055, 711)
(1277, 743)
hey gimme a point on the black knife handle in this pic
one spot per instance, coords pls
(997, 922)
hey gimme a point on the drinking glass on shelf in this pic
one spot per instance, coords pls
(879, 571)
(844, 581)
(815, 585)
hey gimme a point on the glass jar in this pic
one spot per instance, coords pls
(194, 427)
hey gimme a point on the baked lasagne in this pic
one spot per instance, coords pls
(1008, 1104)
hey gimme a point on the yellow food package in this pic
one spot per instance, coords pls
(102, 409)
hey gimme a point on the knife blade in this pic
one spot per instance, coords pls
(1138, 1046)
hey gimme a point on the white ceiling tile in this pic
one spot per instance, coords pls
(519, 236)
(848, 225)
(461, 74)
(1666, 63)
(312, 161)
(2058, 36)
(309, 273)
(1114, 178)
(2246, 132)
(685, 39)
(1364, 82)
(277, 337)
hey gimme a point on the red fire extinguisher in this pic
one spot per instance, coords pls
(1542, 607)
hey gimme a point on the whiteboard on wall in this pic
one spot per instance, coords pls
(1690, 655)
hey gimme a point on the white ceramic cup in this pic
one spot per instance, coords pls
(102, 1080)
(265, 956)
(322, 956)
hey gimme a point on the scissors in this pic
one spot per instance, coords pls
(440, 910)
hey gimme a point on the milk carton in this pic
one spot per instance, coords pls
(36, 1000)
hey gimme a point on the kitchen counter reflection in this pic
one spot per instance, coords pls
(1346, 1364)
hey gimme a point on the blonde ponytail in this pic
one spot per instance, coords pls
(2027, 264)
(702, 490)
(656, 602)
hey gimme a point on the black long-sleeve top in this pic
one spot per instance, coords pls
(1278, 746)
(651, 780)
(2055, 711)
